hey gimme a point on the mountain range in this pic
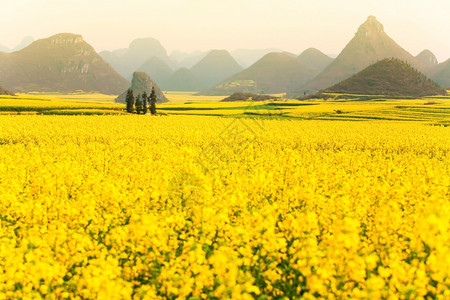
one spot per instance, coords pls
(126, 61)
(274, 73)
(65, 62)
(216, 66)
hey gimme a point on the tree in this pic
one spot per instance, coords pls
(138, 104)
(144, 103)
(130, 101)
(153, 102)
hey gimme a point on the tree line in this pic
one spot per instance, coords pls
(141, 104)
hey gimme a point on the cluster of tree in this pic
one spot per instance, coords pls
(140, 104)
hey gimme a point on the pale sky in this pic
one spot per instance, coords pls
(187, 25)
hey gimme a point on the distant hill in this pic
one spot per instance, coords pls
(441, 74)
(274, 73)
(315, 59)
(389, 77)
(369, 44)
(141, 83)
(187, 60)
(427, 58)
(247, 57)
(178, 56)
(61, 63)
(23, 44)
(157, 69)
(215, 67)
(247, 96)
(183, 80)
(126, 61)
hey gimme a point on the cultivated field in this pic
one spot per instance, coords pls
(264, 200)
(430, 110)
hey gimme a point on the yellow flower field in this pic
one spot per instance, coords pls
(192, 207)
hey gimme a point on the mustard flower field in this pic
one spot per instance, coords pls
(198, 207)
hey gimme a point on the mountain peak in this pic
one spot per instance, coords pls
(372, 25)
(369, 44)
(144, 43)
(427, 57)
(215, 67)
(215, 53)
(141, 83)
(315, 59)
(66, 38)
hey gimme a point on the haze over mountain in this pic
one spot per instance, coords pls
(3, 48)
(369, 44)
(427, 58)
(274, 73)
(187, 60)
(141, 83)
(126, 61)
(157, 69)
(315, 59)
(388, 77)
(244, 57)
(24, 43)
(441, 74)
(178, 56)
(60, 63)
(215, 67)
(247, 57)
(183, 80)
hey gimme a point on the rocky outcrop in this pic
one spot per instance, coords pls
(141, 83)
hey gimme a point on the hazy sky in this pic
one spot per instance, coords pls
(187, 25)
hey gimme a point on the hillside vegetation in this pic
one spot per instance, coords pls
(389, 77)
(5, 92)
(248, 96)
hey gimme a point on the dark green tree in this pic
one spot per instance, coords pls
(153, 102)
(144, 103)
(130, 101)
(138, 104)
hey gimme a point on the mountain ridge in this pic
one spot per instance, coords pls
(274, 73)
